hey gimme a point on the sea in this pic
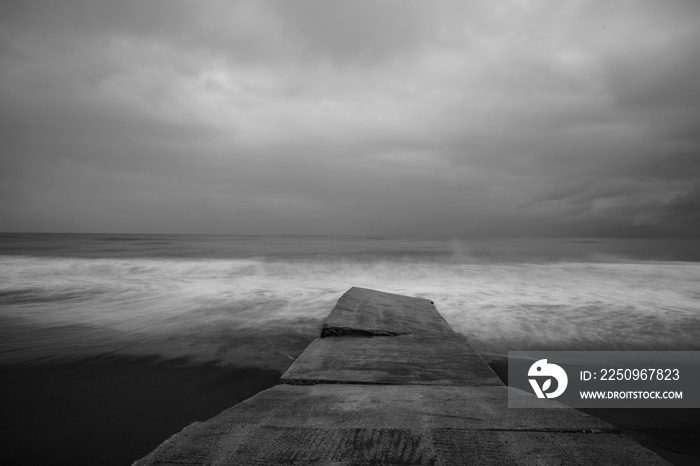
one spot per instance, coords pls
(225, 307)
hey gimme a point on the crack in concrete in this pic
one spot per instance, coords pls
(333, 331)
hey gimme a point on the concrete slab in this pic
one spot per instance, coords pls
(404, 359)
(358, 424)
(361, 311)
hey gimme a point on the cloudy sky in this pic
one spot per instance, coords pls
(351, 117)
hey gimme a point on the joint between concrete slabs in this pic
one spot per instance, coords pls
(335, 331)
(304, 381)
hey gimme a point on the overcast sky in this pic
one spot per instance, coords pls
(351, 117)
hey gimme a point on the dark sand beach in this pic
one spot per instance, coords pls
(111, 411)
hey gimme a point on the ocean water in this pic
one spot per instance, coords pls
(257, 301)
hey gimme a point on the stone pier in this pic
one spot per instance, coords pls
(389, 382)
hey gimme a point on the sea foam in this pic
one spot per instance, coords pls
(262, 312)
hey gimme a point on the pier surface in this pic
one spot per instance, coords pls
(389, 382)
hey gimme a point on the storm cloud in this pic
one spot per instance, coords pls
(363, 117)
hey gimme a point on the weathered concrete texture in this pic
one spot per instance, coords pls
(393, 384)
(263, 445)
(359, 424)
(374, 313)
(395, 407)
(405, 359)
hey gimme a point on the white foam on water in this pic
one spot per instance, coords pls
(263, 312)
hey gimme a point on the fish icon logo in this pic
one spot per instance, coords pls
(547, 371)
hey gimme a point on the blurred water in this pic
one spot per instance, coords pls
(258, 301)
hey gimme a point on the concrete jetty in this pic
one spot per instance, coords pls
(389, 382)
